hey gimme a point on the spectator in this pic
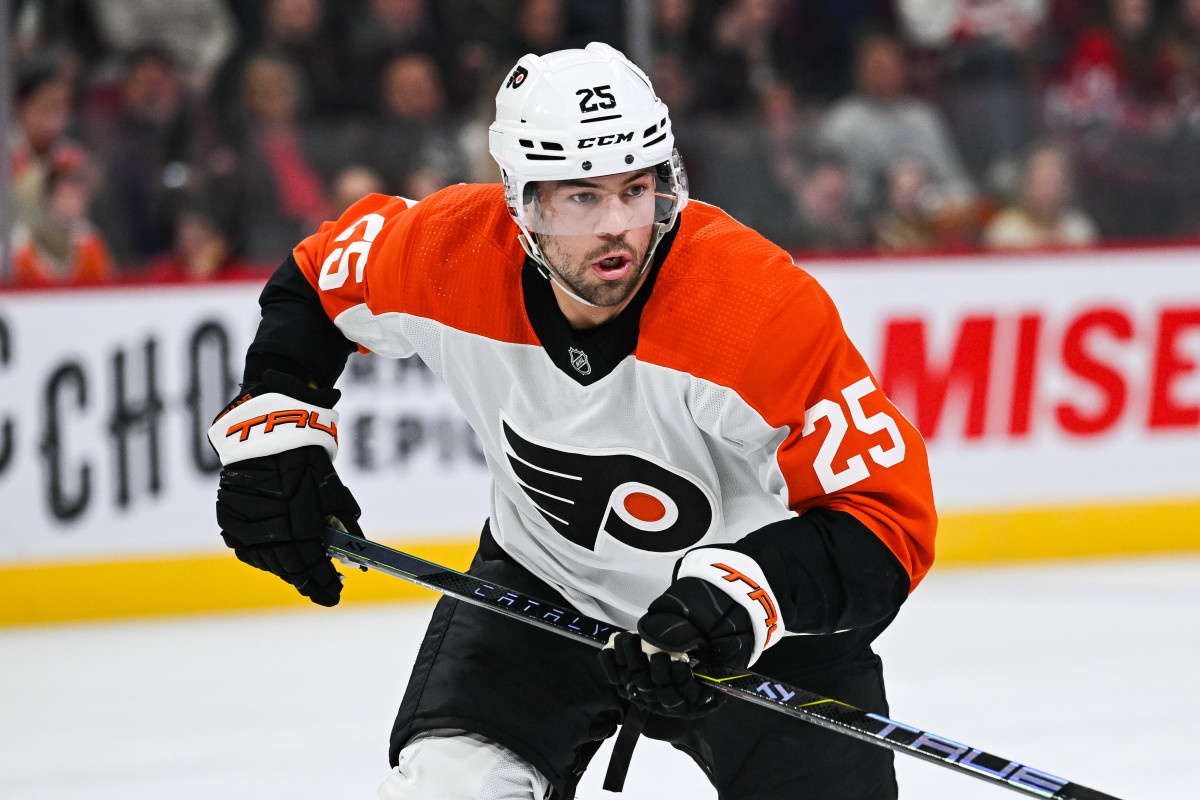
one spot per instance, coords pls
(912, 218)
(1182, 48)
(146, 147)
(1117, 73)
(824, 218)
(60, 246)
(674, 83)
(809, 194)
(676, 31)
(275, 192)
(741, 54)
(1044, 215)
(384, 28)
(749, 166)
(200, 251)
(352, 184)
(474, 38)
(540, 26)
(986, 51)
(66, 28)
(415, 134)
(751, 45)
(472, 136)
(1116, 104)
(880, 124)
(43, 112)
(198, 34)
(296, 31)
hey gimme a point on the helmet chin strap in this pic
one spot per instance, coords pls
(548, 272)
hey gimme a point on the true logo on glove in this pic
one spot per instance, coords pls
(758, 594)
(298, 417)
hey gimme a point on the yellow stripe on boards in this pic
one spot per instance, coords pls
(41, 593)
(1068, 532)
(159, 586)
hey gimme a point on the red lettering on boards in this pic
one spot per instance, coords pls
(1169, 366)
(908, 374)
(1104, 377)
(1160, 361)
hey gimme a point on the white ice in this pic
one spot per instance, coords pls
(1090, 671)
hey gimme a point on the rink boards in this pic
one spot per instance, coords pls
(1059, 396)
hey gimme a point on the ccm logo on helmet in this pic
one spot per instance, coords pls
(297, 416)
(756, 593)
(601, 141)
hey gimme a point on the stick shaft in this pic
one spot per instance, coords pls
(747, 685)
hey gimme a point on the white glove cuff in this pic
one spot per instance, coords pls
(740, 577)
(272, 423)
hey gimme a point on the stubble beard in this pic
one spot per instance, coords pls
(579, 278)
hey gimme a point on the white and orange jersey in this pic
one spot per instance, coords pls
(725, 398)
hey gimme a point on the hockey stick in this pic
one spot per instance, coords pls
(759, 689)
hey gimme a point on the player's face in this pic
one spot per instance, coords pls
(595, 233)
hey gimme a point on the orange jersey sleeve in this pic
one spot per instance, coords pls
(334, 260)
(452, 257)
(848, 448)
(743, 315)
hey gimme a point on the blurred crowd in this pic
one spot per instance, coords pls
(190, 139)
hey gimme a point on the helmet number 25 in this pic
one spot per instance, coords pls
(856, 467)
(336, 267)
(601, 93)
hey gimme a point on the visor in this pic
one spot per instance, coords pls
(586, 207)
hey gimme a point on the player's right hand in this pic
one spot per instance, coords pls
(274, 504)
(273, 511)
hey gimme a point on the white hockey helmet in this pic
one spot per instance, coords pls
(575, 114)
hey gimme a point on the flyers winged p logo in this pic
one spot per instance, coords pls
(628, 496)
(517, 78)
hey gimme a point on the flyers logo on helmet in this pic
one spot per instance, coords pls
(517, 78)
(628, 496)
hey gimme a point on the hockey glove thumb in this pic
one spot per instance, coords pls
(279, 489)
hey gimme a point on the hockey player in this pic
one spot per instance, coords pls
(682, 441)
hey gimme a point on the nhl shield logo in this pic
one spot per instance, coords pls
(579, 361)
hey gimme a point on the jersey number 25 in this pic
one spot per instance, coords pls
(856, 467)
(336, 268)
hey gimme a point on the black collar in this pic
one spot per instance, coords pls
(591, 354)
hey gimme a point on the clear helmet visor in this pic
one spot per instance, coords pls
(604, 206)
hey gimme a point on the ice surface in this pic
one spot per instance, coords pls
(1086, 670)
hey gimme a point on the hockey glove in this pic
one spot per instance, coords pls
(278, 489)
(656, 680)
(719, 608)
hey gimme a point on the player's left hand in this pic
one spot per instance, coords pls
(691, 616)
(653, 679)
(719, 609)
